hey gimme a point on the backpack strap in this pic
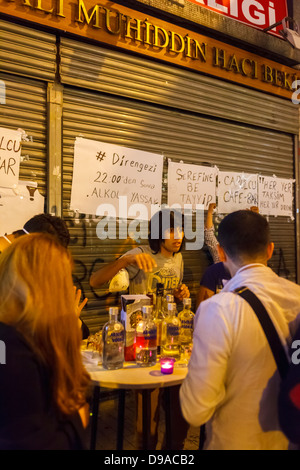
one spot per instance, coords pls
(275, 343)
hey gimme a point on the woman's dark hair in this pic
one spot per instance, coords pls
(47, 223)
(161, 221)
(244, 234)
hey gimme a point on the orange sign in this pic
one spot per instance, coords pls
(113, 24)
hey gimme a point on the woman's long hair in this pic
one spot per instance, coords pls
(37, 298)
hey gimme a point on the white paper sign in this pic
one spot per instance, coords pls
(10, 153)
(191, 184)
(236, 191)
(275, 196)
(18, 205)
(107, 174)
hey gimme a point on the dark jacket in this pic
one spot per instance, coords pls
(28, 418)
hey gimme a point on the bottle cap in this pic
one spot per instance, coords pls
(113, 310)
(170, 298)
(147, 309)
(171, 306)
(187, 301)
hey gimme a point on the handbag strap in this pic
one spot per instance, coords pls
(275, 343)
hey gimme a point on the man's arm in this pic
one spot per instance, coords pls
(203, 294)
(204, 386)
(143, 261)
(209, 235)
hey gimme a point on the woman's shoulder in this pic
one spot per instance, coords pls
(13, 340)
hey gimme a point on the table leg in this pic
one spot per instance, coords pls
(168, 418)
(146, 423)
(202, 437)
(94, 423)
(121, 415)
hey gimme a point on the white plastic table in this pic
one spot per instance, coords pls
(131, 377)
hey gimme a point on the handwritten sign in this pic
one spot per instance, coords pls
(18, 205)
(108, 176)
(275, 196)
(10, 152)
(191, 184)
(236, 191)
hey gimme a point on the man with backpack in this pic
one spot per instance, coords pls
(232, 382)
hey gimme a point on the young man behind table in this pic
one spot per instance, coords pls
(159, 262)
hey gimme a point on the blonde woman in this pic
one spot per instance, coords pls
(43, 382)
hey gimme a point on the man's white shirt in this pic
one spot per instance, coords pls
(232, 378)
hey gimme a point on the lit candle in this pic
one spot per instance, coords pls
(167, 365)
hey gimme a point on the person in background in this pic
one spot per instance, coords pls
(227, 385)
(43, 382)
(216, 275)
(161, 261)
(56, 226)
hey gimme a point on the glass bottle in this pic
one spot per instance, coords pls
(171, 334)
(113, 341)
(146, 339)
(186, 318)
(158, 314)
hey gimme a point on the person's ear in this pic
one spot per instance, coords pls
(221, 253)
(270, 250)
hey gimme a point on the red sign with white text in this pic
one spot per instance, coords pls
(257, 13)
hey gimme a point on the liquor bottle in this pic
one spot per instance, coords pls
(113, 341)
(171, 334)
(146, 339)
(186, 318)
(158, 314)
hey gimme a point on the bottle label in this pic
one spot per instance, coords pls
(117, 337)
(148, 339)
(150, 334)
(187, 324)
(172, 330)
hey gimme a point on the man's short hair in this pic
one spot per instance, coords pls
(48, 223)
(244, 234)
(160, 222)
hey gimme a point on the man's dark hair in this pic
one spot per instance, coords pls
(47, 223)
(160, 222)
(244, 234)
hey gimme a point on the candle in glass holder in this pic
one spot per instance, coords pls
(167, 365)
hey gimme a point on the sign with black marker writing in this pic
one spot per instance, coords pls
(10, 153)
(236, 191)
(112, 180)
(275, 196)
(191, 184)
(18, 205)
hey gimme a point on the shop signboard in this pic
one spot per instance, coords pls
(256, 13)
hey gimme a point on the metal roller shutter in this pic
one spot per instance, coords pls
(118, 73)
(179, 135)
(27, 52)
(26, 108)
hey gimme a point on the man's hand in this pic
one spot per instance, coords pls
(143, 261)
(209, 216)
(79, 306)
(181, 292)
